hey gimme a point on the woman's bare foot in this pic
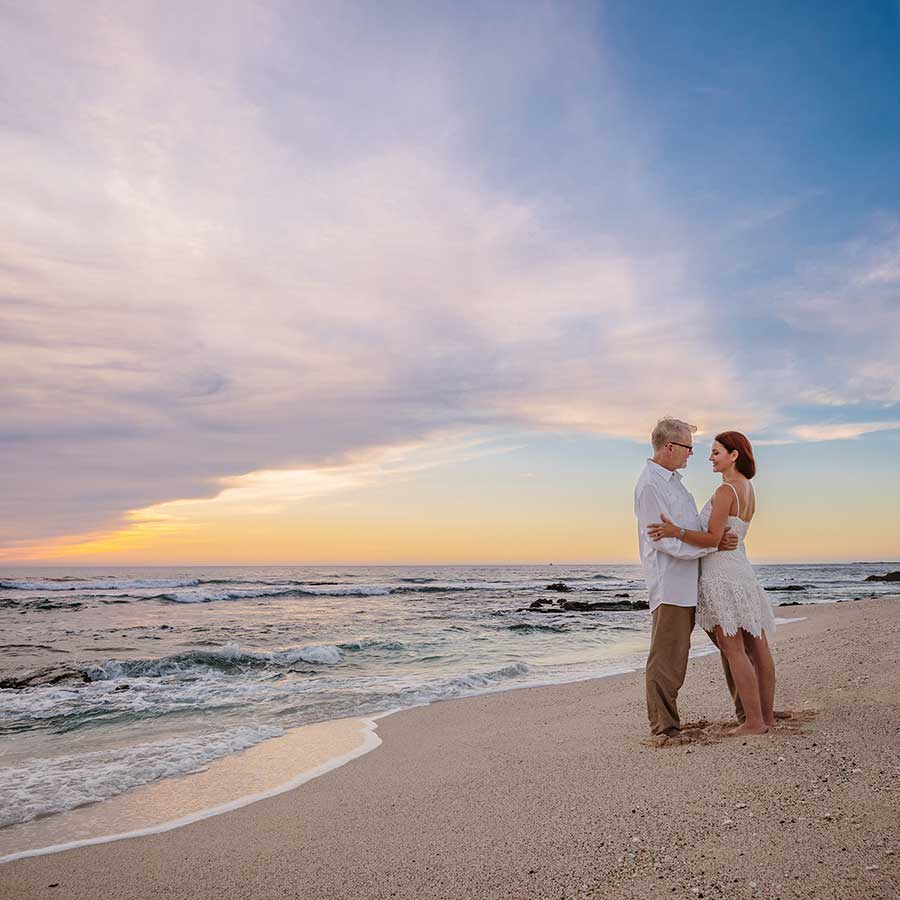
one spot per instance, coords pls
(773, 723)
(749, 729)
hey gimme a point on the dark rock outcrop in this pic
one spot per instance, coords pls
(560, 586)
(787, 587)
(557, 606)
(539, 603)
(891, 576)
(45, 677)
(603, 605)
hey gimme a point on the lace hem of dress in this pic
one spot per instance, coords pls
(734, 606)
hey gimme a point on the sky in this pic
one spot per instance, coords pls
(411, 283)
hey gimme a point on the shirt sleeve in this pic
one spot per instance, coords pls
(649, 507)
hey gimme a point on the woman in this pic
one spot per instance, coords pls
(730, 603)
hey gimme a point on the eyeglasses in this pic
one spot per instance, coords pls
(686, 446)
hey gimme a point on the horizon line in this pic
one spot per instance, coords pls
(387, 565)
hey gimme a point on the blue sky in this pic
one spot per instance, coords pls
(350, 240)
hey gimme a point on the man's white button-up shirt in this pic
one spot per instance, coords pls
(671, 567)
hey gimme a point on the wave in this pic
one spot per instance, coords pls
(438, 589)
(91, 585)
(372, 644)
(478, 681)
(609, 590)
(206, 596)
(229, 657)
(324, 589)
(213, 590)
(46, 786)
(83, 584)
(525, 628)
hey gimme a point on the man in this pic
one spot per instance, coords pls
(671, 570)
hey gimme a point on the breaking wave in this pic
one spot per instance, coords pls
(229, 657)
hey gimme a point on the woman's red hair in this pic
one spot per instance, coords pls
(734, 440)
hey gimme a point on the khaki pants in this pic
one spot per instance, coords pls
(670, 643)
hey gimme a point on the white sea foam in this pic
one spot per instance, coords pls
(326, 654)
(207, 595)
(192, 690)
(477, 680)
(45, 786)
(200, 679)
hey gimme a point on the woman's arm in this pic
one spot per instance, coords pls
(718, 520)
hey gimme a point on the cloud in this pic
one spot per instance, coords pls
(850, 305)
(257, 237)
(264, 493)
(840, 432)
(823, 343)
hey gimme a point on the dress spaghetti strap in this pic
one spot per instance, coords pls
(736, 497)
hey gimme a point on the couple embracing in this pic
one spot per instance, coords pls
(696, 569)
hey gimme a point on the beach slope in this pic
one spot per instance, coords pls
(550, 793)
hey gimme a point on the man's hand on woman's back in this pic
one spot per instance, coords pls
(729, 541)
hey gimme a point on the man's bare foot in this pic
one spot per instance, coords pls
(748, 729)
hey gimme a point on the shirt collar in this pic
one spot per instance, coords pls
(662, 471)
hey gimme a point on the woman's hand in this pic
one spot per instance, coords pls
(665, 529)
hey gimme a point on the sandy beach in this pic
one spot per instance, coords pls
(550, 793)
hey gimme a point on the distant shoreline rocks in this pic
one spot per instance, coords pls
(787, 587)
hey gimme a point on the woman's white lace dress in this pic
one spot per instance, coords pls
(729, 593)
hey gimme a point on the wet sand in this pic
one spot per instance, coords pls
(264, 770)
(550, 792)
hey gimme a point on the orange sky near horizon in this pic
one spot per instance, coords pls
(481, 505)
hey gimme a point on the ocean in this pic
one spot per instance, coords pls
(168, 670)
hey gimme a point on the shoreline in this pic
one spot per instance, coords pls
(95, 822)
(316, 749)
(260, 756)
(448, 729)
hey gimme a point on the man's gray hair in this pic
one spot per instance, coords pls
(669, 429)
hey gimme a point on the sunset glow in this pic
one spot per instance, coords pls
(285, 284)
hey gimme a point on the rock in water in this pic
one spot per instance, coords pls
(604, 606)
(45, 677)
(891, 576)
(547, 606)
(560, 605)
(540, 602)
(559, 586)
